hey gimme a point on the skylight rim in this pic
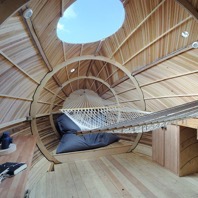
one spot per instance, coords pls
(97, 38)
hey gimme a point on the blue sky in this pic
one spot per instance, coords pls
(88, 21)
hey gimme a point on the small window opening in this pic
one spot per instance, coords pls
(87, 21)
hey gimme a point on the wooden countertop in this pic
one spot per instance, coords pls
(14, 187)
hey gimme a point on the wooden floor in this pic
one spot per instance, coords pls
(116, 176)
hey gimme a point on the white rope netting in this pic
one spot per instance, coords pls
(92, 114)
(92, 118)
(89, 111)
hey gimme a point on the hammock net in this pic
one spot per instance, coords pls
(93, 114)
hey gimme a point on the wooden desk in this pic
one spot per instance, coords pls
(14, 187)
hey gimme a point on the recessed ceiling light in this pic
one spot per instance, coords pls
(195, 44)
(72, 70)
(27, 13)
(185, 34)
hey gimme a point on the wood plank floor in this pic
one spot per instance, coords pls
(122, 175)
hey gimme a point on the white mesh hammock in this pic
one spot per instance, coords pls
(92, 114)
(89, 111)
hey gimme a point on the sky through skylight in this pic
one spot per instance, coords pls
(88, 21)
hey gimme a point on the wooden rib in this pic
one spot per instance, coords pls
(14, 97)
(189, 8)
(53, 93)
(135, 100)
(169, 78)
(34, 36)
(12, 123)
(40, 143)
(9, 7)
(99, 73)
(90, 65)
(62, 7)
(121, 80)
(125, 91)
(48, 103)
(109, 76)
(45, 114)
(95, 53)
(35, 39)
(172, 96)
(64, 51)
(81, 50)
(68, 79)
(88, 57)
(158, 38)
(24, 72)
(143, 21)
(150, 65)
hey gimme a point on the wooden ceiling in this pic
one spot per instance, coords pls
(146, 62)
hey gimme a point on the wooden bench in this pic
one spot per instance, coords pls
(14, 187)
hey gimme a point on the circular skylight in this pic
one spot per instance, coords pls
(87, 21)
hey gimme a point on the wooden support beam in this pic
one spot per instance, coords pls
(25, 73)
(160, 60)
(139, 25)
(189, 8)
(19, 68)
(34, 36)
(15, 97)
(35, 39)
(81, 50)
(99, 73)
(10, 7)
(169, 78)
(121, 80)
(13, 122)
(171, 96)
(156, 39)
(95, 53)
(48, 103)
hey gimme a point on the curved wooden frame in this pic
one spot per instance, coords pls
(33, 107)
(68, 82)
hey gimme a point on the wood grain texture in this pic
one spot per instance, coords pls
(124, 175)
(166, 148)
(188, 151)
(15, 186)
(150, 35)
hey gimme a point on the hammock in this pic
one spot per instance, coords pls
(152, 121)
(92, 114)
(97, 117)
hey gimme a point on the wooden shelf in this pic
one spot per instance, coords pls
(14, 187)
(176, 149)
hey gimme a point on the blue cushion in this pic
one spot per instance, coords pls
(66, 125)
(72, 142)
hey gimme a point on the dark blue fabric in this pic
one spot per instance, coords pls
(72, 142)
(66, 125)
